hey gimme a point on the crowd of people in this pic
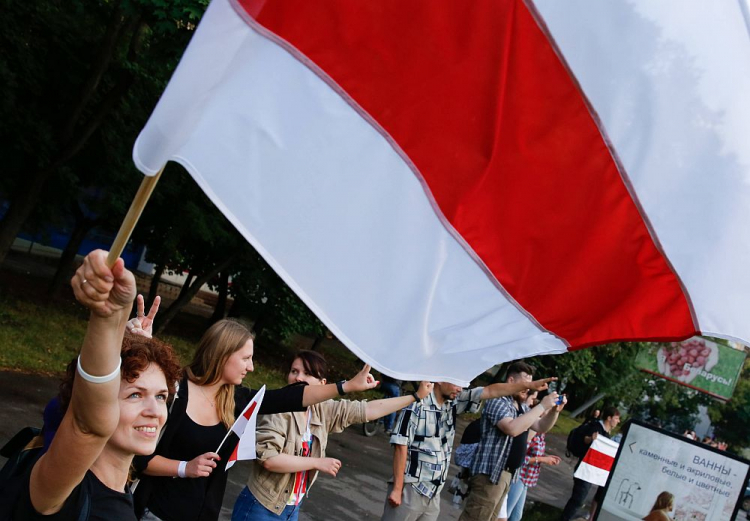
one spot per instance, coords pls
(132, 435)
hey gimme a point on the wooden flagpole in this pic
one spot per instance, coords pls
(131, 219)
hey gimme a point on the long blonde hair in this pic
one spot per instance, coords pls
(218, 343)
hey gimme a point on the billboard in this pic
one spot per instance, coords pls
(696, 362)
(656, 472)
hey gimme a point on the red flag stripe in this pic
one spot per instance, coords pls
(540, 200)
(599, 459)
(233, 457)
(249, 412)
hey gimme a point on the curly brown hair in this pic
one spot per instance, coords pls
(137, 354)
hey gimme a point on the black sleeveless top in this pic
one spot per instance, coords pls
(170, 496)
(102, 503)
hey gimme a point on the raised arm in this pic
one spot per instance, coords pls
(547, 421)
(379, 408)
(319, 393)
(515, 426)
(93, 413)
(508, 389)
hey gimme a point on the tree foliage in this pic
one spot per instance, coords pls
(79, 81)
(731, 420)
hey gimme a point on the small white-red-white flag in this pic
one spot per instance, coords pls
(598, 461)
(242, 434)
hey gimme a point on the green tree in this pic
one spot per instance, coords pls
(68, 68)
(278, 313)
(670, 405)
(601, 371)
(731, 420)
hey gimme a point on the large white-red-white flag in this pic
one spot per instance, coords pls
(597, 463)
(239, 443)
(449, 185)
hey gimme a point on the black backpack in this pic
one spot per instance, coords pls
(22, 451)
(575, 444)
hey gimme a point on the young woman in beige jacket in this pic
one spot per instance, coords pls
(291, 447)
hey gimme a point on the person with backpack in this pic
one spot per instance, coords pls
(117, 408)
(503, 419)
(579, 441)
(422, 443)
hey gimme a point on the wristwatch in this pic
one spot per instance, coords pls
(340, 387)
(417, 399)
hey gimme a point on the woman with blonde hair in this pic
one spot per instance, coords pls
(662, 508)
(118, 405)
(210, 396)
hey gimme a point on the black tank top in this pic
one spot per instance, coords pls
(182, 498)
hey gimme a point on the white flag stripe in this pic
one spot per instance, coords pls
(402, 283)
(605, 446)
(669, 81)
(592, 474)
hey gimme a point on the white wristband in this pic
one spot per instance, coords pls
(181, 469)
(99, 379)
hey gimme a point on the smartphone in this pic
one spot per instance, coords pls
(552, 387)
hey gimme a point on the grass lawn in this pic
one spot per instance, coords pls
(565, 424)
(36, 337)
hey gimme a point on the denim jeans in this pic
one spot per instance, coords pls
(516, 500)
(247, 508)
(391, 390)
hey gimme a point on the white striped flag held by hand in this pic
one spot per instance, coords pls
(598, 461)
(242, 434)
(451, 185)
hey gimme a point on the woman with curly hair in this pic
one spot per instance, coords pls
(118, 406)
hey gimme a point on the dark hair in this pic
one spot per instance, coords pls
(519, 367)
(314, 363)
(137, 354)
(608, 412)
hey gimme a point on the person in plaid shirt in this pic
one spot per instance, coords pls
(502, 420)
(423, 440)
